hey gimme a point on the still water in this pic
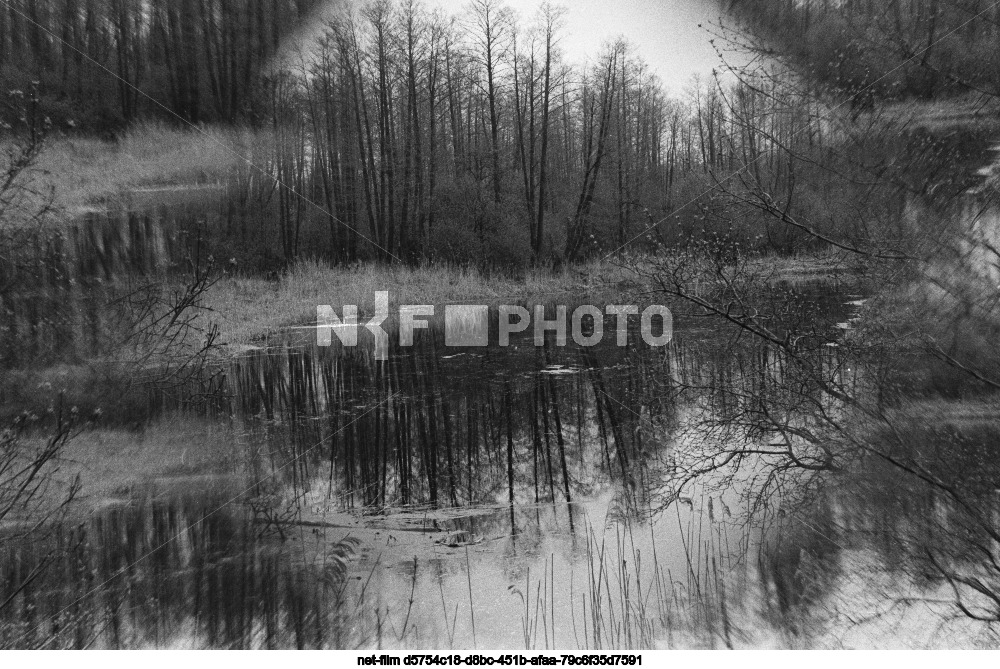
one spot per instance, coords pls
(515, 497)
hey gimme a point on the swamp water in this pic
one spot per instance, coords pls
(496, 497)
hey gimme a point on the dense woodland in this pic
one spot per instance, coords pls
(197, 59)
(402, 132)
(415, 134)
(892, 49)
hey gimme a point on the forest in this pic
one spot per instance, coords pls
(102, 64)
(809, 462)
(402, 133)
(884, 49)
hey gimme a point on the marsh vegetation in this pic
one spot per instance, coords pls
(810, 462)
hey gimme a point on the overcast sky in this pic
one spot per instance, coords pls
(665, 32)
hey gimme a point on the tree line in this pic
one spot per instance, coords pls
(402, 132)
(198, 59)
(885, 48)
(412, 133)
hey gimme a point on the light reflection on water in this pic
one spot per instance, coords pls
(494, 505)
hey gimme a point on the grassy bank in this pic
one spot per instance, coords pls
(112, 463)
(247, 309)
(87, 172)
(107, 465)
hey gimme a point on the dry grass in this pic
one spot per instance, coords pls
(88, 172)
(179, 452)
(942, 114)
(248, 309)
(805, 266)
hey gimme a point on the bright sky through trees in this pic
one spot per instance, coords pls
(665, 32)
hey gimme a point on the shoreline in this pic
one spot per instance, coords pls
(266, 307)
